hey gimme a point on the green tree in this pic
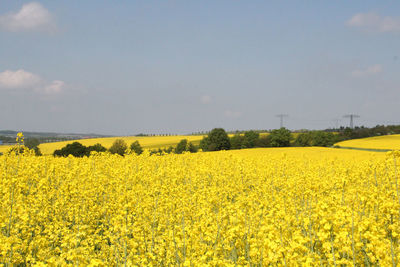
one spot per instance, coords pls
(192, 148)
(250, 138)
(304, 139)
(204, 143)
(237, 141)
(118, 147)
(321, 138)
(181, 146)
(216, 140)
(136, 147)
(96, 147)
(37, 151)
(75, 149)
(280, 137)
(264, 141)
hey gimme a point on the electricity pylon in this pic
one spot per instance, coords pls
(281, 116)
(351, 116)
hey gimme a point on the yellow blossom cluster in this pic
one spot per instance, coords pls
(258, 207)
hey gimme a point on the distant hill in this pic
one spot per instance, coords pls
(11, 133)
(7, 137)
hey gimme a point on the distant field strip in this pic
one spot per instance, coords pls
(382, 143)
(149, 142)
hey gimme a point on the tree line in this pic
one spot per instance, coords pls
(120, 147)
(218, 139)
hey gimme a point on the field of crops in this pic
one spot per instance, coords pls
(148, 142)
(377, 142)
(288, 206)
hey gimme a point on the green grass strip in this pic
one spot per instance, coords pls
(364, 149)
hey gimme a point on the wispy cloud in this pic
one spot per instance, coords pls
(21, 79)
(31, 17)
(54, 87)
(374, 23)
(371, 70)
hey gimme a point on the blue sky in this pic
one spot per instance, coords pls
(126, 67)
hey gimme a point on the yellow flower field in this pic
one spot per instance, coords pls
(148, 142)
(257, 207)
(376, 142)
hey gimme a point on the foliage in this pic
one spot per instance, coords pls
(136, 147)
(181, 146)
(315, 138)
(321, 138)
(185, 146)
(304, 139)
(96, 148)
(162, 151)
(216, 140)
(192, 148)
(250, 138)
(237, 141)
(280, 137)
(363, 132)
(75, 149)
(263, 141)
(118, 147)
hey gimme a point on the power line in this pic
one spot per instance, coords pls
(351, 116)
(281, 116)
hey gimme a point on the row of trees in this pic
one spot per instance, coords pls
(218, 139)
(362, 132)
(317, 138)
(120, 147)
(76, 149)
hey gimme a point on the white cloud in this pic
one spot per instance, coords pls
(18, 79)
(205, 99)
(53, 88)
(21, 79)
(375, 23)
(371, 70)
(31, 17)
(232, 114)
